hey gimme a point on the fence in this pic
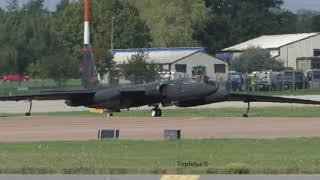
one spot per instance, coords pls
(279, 82)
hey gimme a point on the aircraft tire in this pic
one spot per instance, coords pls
(159, 113)
(156, 112)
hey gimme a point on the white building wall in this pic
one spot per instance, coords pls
(206, 60)
(274, 52)
(303, 48)
(236, 55)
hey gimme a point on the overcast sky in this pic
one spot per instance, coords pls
(290, 4)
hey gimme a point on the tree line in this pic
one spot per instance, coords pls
(48, 44)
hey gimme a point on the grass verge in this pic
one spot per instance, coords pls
(206, 112)
(238, 156)
(299, 92)
(36, 86)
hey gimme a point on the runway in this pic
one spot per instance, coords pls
(29, 129)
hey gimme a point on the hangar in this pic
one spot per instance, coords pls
(179, 59)
(286, 48)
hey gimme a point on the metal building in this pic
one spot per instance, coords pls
(179, 60)
(286, 48)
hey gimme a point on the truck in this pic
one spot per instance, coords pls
(291, 79)
(262, 80)
(278, 81)
(235, 81)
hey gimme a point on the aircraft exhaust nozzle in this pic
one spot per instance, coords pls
(86, 37)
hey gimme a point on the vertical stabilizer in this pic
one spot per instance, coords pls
(86, 34)
(88, 69)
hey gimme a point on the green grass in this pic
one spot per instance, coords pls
(315, 91)
(280, 156)
(36, 86)
(209, 112)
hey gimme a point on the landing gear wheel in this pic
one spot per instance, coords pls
(246, 115)
(108, 113)
(156, 112)
(30, 108)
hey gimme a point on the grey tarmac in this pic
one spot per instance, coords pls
(29, 129)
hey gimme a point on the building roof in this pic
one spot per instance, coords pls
(271, 41)
(156, 55)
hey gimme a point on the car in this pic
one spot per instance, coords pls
(235, 81)
(14, 77)
(313, 74)
(290, 80)
(262, 80)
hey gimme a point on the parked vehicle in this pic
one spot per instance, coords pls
(290, 80)
(14, 77)
(262, 80)
(313, 74)
(235, 81)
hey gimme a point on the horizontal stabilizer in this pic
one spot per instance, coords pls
(66, 95)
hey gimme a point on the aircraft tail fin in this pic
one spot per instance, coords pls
(89, 73)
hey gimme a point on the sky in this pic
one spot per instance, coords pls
(293, 5)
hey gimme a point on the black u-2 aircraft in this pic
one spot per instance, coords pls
(181, 92)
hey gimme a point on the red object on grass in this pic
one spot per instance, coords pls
(15, 77)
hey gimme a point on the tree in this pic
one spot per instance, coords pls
(234, 21)
(35, 70)
(13, 5)
(68, 26)
(305, 19)
(63, 4)
(27, 32)
(105, 65)
(138, 70)
(60, 67)
(129, 30)
(287, 23)
(315, 23)
(172, 23)
(8, 59)
(256, 59)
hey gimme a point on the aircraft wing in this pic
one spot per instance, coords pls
(132, 93)
(273, 99)
(58, 95)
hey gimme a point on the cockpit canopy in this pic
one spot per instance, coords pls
(170, 76)
(165, 76)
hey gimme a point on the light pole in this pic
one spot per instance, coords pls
(112, 20)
